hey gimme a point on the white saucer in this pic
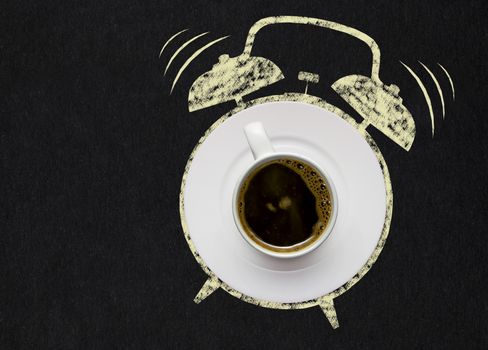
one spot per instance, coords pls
(336, 146)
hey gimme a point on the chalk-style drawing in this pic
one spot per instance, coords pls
(439, 89)
(450, 80)
(170, 40)
(426, 94)
(325, 302)
(181, 49)
(232, 78)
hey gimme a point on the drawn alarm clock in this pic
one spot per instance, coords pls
(298, 122)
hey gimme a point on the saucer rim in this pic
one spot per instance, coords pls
(319, 102)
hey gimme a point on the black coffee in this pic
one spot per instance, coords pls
(284, 205)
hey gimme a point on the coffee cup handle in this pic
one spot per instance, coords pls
(258, 140)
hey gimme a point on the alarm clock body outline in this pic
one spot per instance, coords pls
(232, 78)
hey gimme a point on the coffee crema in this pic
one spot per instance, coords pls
(284, 205)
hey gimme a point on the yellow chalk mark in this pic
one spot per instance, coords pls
(450, 81)
(424, 91)
(192, 57)
(256, 27)
(171, 39)
(437, 85)
(181, 49)
(210, 286)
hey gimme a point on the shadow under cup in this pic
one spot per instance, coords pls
(285, 205)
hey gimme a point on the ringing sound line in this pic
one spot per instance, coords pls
(439, 90)
(181, 48)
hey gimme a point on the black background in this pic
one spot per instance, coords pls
(93, 148)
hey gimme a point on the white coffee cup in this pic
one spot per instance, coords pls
(263, 152)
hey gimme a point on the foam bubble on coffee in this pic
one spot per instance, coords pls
(285, 205)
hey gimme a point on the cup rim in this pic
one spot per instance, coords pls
(330, 224)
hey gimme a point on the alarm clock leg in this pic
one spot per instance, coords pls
(327, 306)
(210, 286)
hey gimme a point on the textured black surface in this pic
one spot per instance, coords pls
(93, 148)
